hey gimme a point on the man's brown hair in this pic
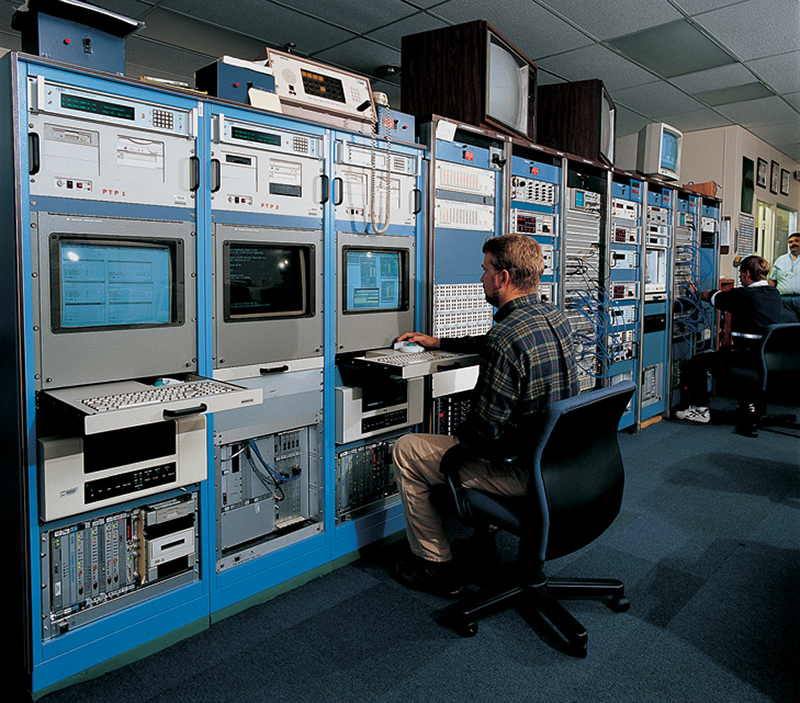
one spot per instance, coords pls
(521, 256)
(757, 267)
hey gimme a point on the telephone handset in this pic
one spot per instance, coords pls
(381, 99)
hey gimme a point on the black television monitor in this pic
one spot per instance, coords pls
(110, 283)
(375, 280)
(266, 281)
(471, 73)
(579, 118)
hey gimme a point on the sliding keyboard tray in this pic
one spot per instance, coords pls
(112, 406)
(415, 364)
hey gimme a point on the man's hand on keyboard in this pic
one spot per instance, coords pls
(422, 339)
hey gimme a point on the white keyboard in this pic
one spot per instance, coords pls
(408, 358)
(157, 394)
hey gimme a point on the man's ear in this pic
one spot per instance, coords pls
(505, 277)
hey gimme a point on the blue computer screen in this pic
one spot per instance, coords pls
(374, 280)
(114, 284)
(669, 151)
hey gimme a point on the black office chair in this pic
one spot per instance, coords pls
(575, 493)
(773, 377)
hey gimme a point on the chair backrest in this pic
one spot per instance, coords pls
(579, 466)
(576, 476)
(781, 359)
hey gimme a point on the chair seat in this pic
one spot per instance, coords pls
(508, 513)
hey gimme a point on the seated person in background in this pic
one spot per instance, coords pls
(526, 362)
(785, 276)
(752, 306)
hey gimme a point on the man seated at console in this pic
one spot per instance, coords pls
(753, 306)
(526, 362)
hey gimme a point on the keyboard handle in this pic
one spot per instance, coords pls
(275, 369)
(174, 414)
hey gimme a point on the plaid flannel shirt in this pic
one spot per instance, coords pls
(527, 362)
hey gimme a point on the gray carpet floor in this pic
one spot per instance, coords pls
(707, 544)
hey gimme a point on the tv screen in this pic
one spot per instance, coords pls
(266, 281)
(669, 151)
(375, 280)
(111, 283)
(507, 86)
(608, 113)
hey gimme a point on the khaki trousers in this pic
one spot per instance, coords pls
(416, 459)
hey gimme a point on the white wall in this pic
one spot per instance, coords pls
(716, 155)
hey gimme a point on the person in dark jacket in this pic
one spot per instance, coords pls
(753, 306)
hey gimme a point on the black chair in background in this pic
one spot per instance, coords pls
(575, 493)
(774, 377)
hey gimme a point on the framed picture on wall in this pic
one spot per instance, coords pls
(773, 177)
(784, 182)
(761, 173)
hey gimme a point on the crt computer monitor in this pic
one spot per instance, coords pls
(375, 296)
(264, 281)
(659, 152)
(116, 300)
(375, 280)
(105, 283)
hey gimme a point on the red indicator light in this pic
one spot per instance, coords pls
(469, 156)
(66, 41)
(534, 170)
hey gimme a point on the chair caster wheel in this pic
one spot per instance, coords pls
(620, 604)
(578, 650)
(468, 629)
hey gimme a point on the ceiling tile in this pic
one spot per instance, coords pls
(754, 113)
(393, 34)
(698, 120)
(794, 99)
(672, 49)
(273, 24)
(360, 55)
(781, 72)
(720, 77)
(656, 100)
(734, 94)
(531, 28)
(148, 58)
(786, 133)
(358, 17)
(773, 27)
(187, 33)
(793, 152)
(596, 61)
(629, 122)
(617, 16)
(694, 7)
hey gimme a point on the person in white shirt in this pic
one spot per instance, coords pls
(785, 275)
